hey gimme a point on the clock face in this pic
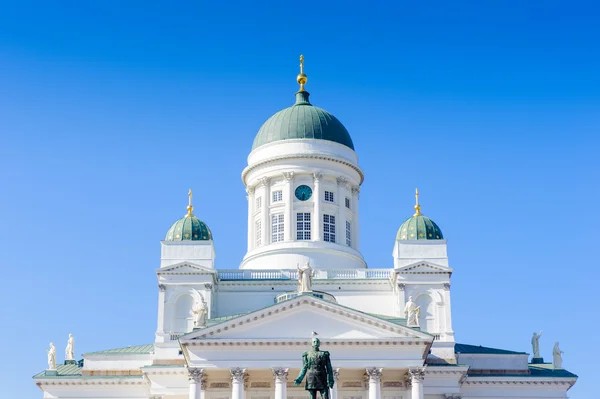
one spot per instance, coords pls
(303, 192)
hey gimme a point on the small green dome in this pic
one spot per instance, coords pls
(419, 227)
(302, 121)
(189, 228)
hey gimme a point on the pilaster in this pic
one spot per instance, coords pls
(288, 195)
(355, 222)
(264, 210)
(251, 204)
(317, 199)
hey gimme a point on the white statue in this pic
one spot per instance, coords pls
(51, 357)
(412, 312)
(70, 350)
(305, 275)
(557, 357)
(199, 312)
(535, 344)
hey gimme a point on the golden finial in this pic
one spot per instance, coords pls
(417, 206)
(190, 208)
(302, 78)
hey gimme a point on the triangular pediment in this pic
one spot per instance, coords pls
(185, 268)
(296, 319)
(423, 267)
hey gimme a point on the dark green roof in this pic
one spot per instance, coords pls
(302, 121)
(138, 350)
(473, 349)
(188, 228)
(419, 227)
(547, 370)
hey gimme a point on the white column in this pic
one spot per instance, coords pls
(355, 224)
(264, 211)
(341, 202)
(417, 375)
(197, 383)
(280, 375)
(333, 394)
(237, 382)
(374, 375)
(448, 332)
(401, 299)
(251, 204)
(160, 329)
(317, 217)
(288, 195)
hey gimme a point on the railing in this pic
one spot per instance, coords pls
(292, 274)
(175, 336)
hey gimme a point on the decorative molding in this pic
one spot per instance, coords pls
(250, 190)
(264, 181)
(238, 375)
(432, 269)
(197, 375)
(156, 397)
(219, 385)
(352, 384)
(260, 384)
(208, 286)
(447, 288)
(393, 384)
(317, 177)
(280, 374)
(453, 396)
(417, 374)
(355, 190)
(162, 287)
(401, 286)
(374, 374)
(342, 181)
(336, 374)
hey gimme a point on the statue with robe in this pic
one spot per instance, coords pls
(557, 357)
(70, 350)
(305, 275)
(51, 357)
(412, 312)
(316, 366)
(535, 344)
(199, 312)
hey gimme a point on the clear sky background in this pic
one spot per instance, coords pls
(111, 110)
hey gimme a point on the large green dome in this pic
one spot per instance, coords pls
(419, 227)
(302, 121)
(189, 228)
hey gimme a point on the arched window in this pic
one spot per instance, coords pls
(183, 314)
(426, 318)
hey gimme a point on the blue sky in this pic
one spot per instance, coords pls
(110, 111)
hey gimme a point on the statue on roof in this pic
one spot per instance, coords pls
(535, 344)
(70, 350)
(316, 366)
(557, 357)
(305, 276)
(412, 312)
(51, 357)
(199, 311)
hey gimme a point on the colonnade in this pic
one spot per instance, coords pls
(197, 377)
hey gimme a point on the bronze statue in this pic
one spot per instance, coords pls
(316, 366)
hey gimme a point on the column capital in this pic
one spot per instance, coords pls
(417, 374)
(401, 286)
(289, 176)
(237, 374)
(162, 287)
(355, 190)
(342, 181)
(374, 374)
(280, 374)
(198, 376)
(447, 286)
(317, 177)
(264, 181)
(336, 374)
(250, 190)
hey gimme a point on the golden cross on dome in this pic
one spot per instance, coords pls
(302, 78)
(417, 206)
(190, 208)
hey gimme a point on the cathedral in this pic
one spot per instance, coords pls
(240, 333)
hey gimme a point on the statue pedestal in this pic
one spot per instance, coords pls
(537, 360)
(51, 372)
(70, 361)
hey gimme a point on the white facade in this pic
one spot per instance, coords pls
(248, 344)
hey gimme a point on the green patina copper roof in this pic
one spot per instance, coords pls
(302, 121)
(188, 228)
(419, 227)
(64, 370)
(474, 349)
(132, 350)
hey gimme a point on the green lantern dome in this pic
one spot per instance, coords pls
(302, 121)
(419, 227)
(189, 228)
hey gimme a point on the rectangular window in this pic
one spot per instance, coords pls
(258, 233)
(303, 226)
(328, 196)
(277, 228)
(329, 228)
(348, 234)
(277, 196)
(347, 202)
(258, 203)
